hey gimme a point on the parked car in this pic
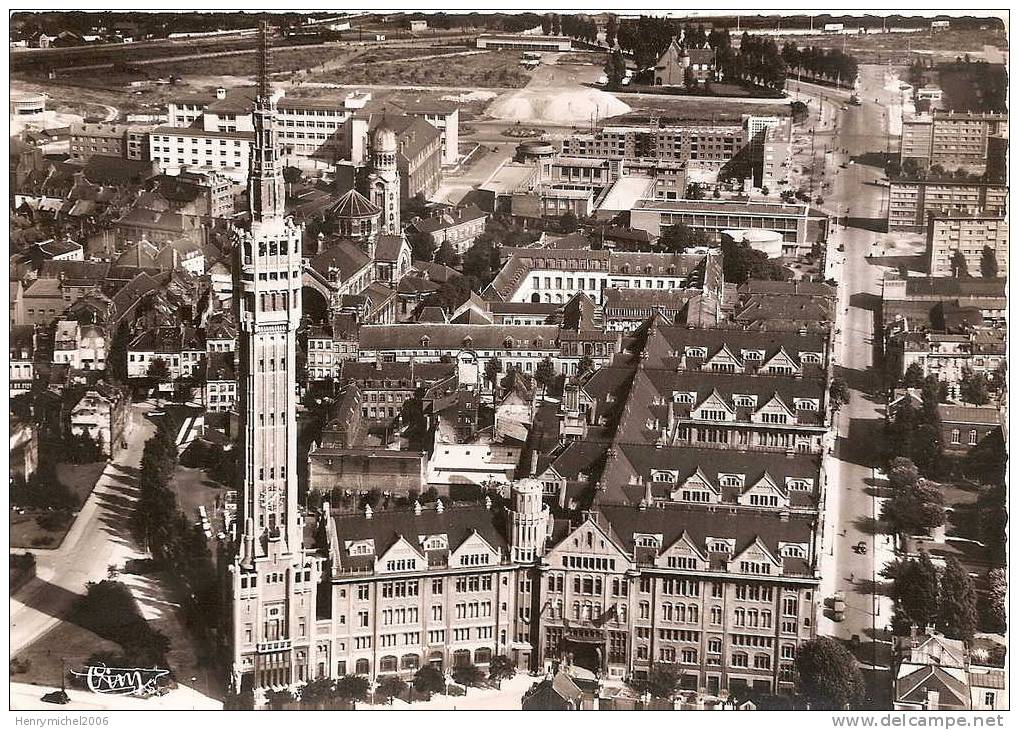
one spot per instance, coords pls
(838, 606)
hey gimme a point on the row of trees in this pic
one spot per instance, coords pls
(925, 596)
(583, 27)
(167, 532)
(349, 689)
(830, 64)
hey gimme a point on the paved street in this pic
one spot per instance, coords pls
(95, 541)
(27, 697)
(854, 551)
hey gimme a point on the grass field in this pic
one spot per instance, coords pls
(66, 641)
(25, 530)
(496, 69)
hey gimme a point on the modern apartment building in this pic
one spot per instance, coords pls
(948, 233)
(910, 201)
(109, 139)
(950, 139)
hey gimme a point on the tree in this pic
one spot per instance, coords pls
(501, 667)
(838, 393)
(827, 675)
(544, 374)
(678, 238)
(973, 387)
(902, 473)
(158, 370)
(278, 698)
(585, 366)
(615, 69)
(988, 263)
(391, 686)
(960, 269)
(447, 255)
(663, 681)
(469, 675)
(957, 618)
(568, 222)
(481, 262)
(913, 377)
(507, 380)
(428, 680)
(992, 604)
(741, 263)
(919, 508)
(611, 29)
(915, 592)
(352, 687)
(422, 246)
(493, 366)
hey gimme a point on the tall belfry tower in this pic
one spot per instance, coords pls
(384, 180)
(273, 580)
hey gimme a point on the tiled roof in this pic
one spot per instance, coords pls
(744, 526)
(396, 372)
(387, 248)
(104, 170)
(457, 522)
(449, 219)
(381, 337)
(342, 255)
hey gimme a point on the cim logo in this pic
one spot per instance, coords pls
(121, 681)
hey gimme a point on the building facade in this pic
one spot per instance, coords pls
(911, 201)
(969, 235)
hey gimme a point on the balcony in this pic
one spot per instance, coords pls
(265, 647)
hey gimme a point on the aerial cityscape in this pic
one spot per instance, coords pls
(452, 360)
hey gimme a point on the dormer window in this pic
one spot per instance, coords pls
(507, 344)
(799, 485)
(753, 354)
(793, 550)
(730, 480)
(424, 341)
(663, 476)
(719, 546)
(646, 541)
(468, 341)
(744, 401)
(806, 404)
(683, 397)
(814, 358)
(696, 352)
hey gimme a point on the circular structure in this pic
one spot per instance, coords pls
(385, 140)
(355, 216)
(770, 242)
(28, 104)
(535, 150)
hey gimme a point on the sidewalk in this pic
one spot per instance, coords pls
(28, 697)
(507, 698)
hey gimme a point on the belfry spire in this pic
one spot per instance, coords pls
(266, 191)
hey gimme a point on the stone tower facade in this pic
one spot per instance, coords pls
(528, 521)
(273, 581)
(384, 181)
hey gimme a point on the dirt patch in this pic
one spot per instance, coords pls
(557, 107)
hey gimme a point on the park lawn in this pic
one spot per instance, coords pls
(26, 532)
(66, 641)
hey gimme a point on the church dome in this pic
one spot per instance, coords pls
(385, 140)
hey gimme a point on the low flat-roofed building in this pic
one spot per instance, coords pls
(522, 42)
(715, 216)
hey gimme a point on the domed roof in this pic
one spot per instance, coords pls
(385, 140)
(354, 205)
